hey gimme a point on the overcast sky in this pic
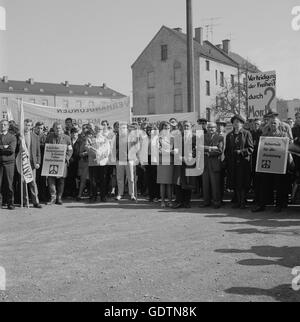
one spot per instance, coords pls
(97, 41)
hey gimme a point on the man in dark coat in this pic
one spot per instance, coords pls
(238, 152)
(213, 149)
(8, 143)
(57, 185)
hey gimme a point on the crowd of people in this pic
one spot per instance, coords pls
(151, 160)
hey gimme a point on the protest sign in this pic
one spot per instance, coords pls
(272, 155)
(54, 160)
(261, 94)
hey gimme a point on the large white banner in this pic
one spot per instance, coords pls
(111, 110)
(261, 94)
(191, 117)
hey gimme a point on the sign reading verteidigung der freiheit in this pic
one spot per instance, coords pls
(272, 155)
(54, 160)
(261, 94)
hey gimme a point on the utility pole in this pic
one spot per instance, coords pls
(190, 57)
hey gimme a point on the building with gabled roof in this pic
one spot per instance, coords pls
(160, 77)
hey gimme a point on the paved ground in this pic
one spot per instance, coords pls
(82, 252)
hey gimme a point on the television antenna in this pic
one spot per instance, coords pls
(209, 25)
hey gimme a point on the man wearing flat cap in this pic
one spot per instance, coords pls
(238, 152)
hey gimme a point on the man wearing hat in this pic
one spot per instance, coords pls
(203, 123)
(238, 152)
(213, 148)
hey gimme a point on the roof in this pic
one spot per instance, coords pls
(63, 89)
(244, 63)
(207, 50)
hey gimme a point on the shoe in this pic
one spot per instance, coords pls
(59, 202)
(177, 205)
(11, 207)
(37, 206)
(52, 202)
(217, 206)
(118, 198)
(133, 198)
(163, 205)
(258, 209)
(205, 205)
(156, 200)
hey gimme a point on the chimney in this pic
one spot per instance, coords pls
(178, 29)
(199, 35)
(5, 79)
(88, 85)
(30, 81)
(67, 84)
(226, 46)
(104, 86)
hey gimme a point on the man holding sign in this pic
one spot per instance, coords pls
(272, 166)
(59, 147)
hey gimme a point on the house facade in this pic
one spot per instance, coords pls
(160, 77)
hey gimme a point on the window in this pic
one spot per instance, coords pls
(164, 52)
(65, 103)
(232, 80)
(222, 103)
(222, 83)
(151, 105)
(45, 103)
(78, 104)
(177, 75)
(208, 114)
(4, 101)
(150, 80)
(217, 77)
(207, 65)
(178, 103)
(208, 88)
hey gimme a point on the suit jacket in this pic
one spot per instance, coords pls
(7, 154)
(212, 157)
(35, 150)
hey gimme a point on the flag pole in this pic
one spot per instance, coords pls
(21, 150)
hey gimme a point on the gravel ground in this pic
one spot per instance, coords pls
(139, 252)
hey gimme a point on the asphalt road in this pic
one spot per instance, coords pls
(139, 252)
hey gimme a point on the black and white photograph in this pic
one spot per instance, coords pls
(149, 154)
